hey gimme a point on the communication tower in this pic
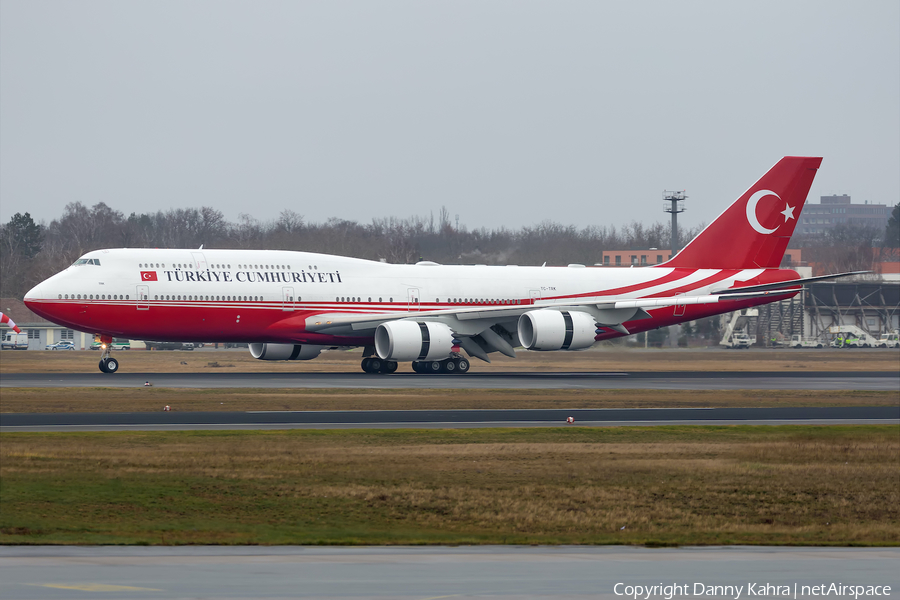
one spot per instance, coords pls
(673, 202)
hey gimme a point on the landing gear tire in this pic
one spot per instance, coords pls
(462, 365)
(448, 366)
(371, 365)
(376, 365)
(433, 367)
(417, 367)
(109, 365)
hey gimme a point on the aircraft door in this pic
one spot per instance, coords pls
(679, 309)
(199, 260)
(143, 297)
(287, 295)
(413, 296)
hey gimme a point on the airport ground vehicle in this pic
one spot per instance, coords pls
(169, 345)
(736, 331)
(798, 341)
(62, 345)
(738, 341)
(292, 305)
(14, 341)
(116, 344)
(889, 340)
(851, 336)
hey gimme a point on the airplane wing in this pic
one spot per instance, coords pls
(471, 321)
(476, 326)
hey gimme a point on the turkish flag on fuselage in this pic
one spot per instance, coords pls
(148, 276)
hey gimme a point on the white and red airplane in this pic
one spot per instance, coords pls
(292, 305)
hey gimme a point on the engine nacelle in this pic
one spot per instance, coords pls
(548, 329)
(409, 340)
(285, 351)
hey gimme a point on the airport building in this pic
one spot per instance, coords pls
(655, 256)
(871, 305)
(839, 210)
(634, 258)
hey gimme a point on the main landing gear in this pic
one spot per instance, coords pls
(376, 365)
(456, 364)
(108, 364)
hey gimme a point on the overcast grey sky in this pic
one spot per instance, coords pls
(507, 113)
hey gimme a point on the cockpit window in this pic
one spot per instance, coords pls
(86, 261)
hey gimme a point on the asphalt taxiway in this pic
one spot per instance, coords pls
(430, 573)
(607, 417)
(672, 380)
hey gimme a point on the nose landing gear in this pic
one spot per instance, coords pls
(108, 364)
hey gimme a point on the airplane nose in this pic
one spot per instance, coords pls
(34, 293)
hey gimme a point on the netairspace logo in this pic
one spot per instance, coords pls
(670, 591)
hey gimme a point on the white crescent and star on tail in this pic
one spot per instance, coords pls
(788, 211)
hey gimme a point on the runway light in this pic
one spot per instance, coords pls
(167, 408)
(570, 420)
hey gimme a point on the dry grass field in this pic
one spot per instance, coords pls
(143, 399)
(656, 486)
(671, 485)
(602, 358)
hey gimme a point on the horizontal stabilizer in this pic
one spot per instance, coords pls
(781, 285)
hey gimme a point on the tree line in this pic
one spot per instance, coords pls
(30, 252)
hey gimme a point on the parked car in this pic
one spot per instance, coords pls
(62, 345)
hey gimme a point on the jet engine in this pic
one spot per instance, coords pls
(409, 340)
(548, 329)
(285, 351)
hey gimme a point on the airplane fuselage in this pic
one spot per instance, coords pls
(278, 296)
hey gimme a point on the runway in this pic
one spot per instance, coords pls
(170, 421)
(429, 573)
(672, 380)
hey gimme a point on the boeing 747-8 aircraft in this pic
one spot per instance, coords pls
(292, 305)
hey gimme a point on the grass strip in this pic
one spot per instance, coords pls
(601, 358)
(671, 485)
(149, 399)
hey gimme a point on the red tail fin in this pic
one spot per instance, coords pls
(754, 231)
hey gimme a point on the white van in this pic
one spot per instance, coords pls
(14, 341)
